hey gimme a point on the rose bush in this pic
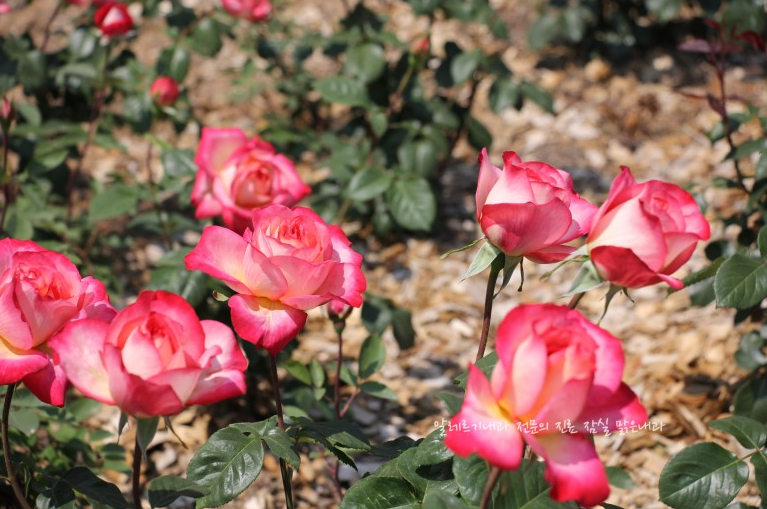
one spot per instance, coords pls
(530, 208)
(154, 358)
(40, 291)
(644, 232)
(251, 10)
(235, 176)
(289, 262)
(113, 19)
(164, 91)
(555, 370)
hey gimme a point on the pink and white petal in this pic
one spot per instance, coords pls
(202, 196)
(582, 213)
(481, 427)
(341, 281)
(8, 247)
(521, 228)
(573, 468)
(267, 324)
(620, 190)
(219, 336)
(342, 251)
(140, 355)
(95, 301)
(488, 176)
(77, 349)
(179, 317)
(620, 410)
(13, 327)
(676, 284)
(135, 396)
(181, 381)
(528, 374)
(609, 360)
(218, 386)
(680, 248)
(16, 364)
(517, 326)
(302, 277)
(622, 267)
(216, 146)
(49, 384)
(513, 186)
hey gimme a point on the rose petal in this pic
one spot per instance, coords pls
(16, 364)
(488, 177)
(49, 384)
(521, 228)
(266, 324)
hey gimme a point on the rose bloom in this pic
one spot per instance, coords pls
(235, 176)
(289, 262)
(557, 373)
(155, 358)
(164, 91)
(644, 232)
(251, 10)
(530, 209)
(113, 19)
(40, 291)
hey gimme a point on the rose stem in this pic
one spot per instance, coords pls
(575, 300)
(7, 181)
(492, 480)
(136, 481)
(495, 269)
(284, 470)
(7, 449)
(339, 326)
(47, 31)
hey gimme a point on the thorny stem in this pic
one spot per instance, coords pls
(47, 31)
(495, 269)
(7, 450)
(284, 468)
(492, 480)
(136, 481)
(338, 325)
(575, 300)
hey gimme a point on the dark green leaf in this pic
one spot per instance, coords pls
(761, 241)
(750, 433)
(365, 61)
(453, 402)
(380, 493)
(759, 460)
(32, 70)
(504, 93)
(749, 147)
(436, 499)
(178, 163)
(526, 488)
(378, 390)
(462, 67)
(544, 30)
(145, 431)
(164, 490)
(486, 364)
(378, 121)
(540, 97)
(432, 449)
(342, 90)
(434, 476)
(298, 371)
(619, 478)
(751, 399)
(402, 327)
(281, 444)
(372, 356)
(367, 184)
(96, 490)
(741, 282)
(137, 110)
(59, 496)
(702, 476)
(206, 37)
(337, 433)
(471, 474)
(665, 10)
(376, 314)
(418, 157)
(174, 62)
(82, 43)
(392, 448)
(316, 373)
(750, 354)
(24, 420)
(228, 463)
(478, 135)
(115, 200)
(424, 6)
(412, 204)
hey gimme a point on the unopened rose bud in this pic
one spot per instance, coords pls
(338, 310)
(7, 114)
(164, 91)
(5, 7)
(422, 47)
(113, 19)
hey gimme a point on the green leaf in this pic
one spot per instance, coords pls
(337, 434)
(586, 279)
(376, 314)
(665, 10)
(526, 488)
(619, 478)
(206, 38)
(365, 61)
(761, 241)
(412, 204)
(418, 157)
(749, 147)
(298, 371)
(432, 449)
(82, 44)
(372, 356)
(542, 98)
(471, 474)
(32, 70)
(59, 496)
(172, 275)
(228, 463)
(436, 499)
(486, 255)
(174, 62)
(96, 490)
(741, 282)
(379, 122)
(750, 354)
(751, 399)
(462, 67)
(280, 444)
(380, 493)
(464, 248)
(503, 94)
(402, 327)
(702, 476)
(24, 420)
(178, 163)
(434, 476)
(544, 30)
(163, 491)
(145, 431)
(378, 390)
(477, 134)
(137, 110)
(759, 460)
(750, 433)
(342, 90)
(453, 402)
(317, 373)
(367, 184)
(424, 6)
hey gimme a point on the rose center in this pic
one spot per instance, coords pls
(252, 186)
(45, 284)
(155, 328)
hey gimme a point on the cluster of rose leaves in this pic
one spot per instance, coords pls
(557, 373)
(155, 356)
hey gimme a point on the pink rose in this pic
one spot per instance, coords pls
(530, 209)
(154, 358)
(645, 232)
(113, 19)
(40, 291)
(235, 176)
(251, 10)
(164, 91)
(557, 373)
(291, 261)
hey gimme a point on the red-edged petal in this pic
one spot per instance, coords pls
(550, 254)
(620, 410)
(622, 267)
(480, 427)
(521, 228)
(311, 285)
(13, 327)
(618, 193)
(573, 468)
(77, 349)
(488, 176)
(16, 364)
(216, 146)
(222, 375)
(528, 374)
(267, 324)
(49, 384)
